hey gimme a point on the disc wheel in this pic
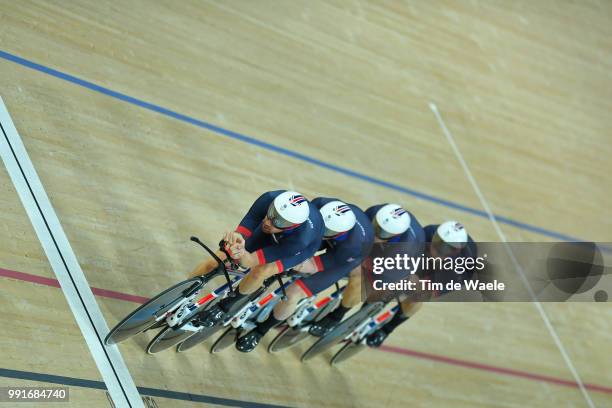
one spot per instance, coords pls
(197, 338)
(225, 340)
(144, 316)
(167, 338)
(286, 338)
(347, 351)
(342, 330)
(326, 309)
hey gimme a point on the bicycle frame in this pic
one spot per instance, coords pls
(371, 324)
(187, 306)
(310, 307)
(241, 319)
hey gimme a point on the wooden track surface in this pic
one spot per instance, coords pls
(525, 87)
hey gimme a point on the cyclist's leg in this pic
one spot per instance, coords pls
(306, 287)
(352, 293)
(409, 308)
(295, 292)
(285, 308)
(282, 311)
(207, 266)
(351, 297)
(256, 277)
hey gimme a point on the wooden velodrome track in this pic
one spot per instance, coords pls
(525, 87)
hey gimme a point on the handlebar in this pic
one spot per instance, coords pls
(197, 241)
(221, 264)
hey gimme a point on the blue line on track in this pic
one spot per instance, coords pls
(281, 150)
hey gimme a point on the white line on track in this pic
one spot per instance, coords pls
(518, 267)
(80, 298)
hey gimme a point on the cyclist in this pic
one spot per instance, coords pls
(347, 240)
(447, 240)
(391, 224)
(280, 231)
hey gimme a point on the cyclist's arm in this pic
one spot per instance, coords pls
(308, 266)
(325, 279)
(286, 255)
(255, 215)
(339, 258)
(249, 260)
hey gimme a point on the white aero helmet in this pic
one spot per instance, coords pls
(452, 233)
(338, 218)
(391, 220)
(288, 210)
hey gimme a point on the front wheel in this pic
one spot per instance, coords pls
(145, 316)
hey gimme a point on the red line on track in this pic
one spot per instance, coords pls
(55, 283)
(391, 349)
(492, 368)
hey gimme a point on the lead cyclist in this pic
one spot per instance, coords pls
(280, 231)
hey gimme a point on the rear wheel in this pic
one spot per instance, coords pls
(197, 338)
(347, 351)
(327, 309)
(288, 337)
(225, 340)
(342, 330)
(264, 313)
(167, 338)
(145, 316)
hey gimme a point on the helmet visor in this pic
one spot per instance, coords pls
(332, 234)
(276, 219)
(380, 232)
(445, 249)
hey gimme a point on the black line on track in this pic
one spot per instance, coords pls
(65, 265)
(152, 392)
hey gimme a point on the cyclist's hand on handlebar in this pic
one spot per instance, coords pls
(233, 237)
(236, 251)
(234, 244)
